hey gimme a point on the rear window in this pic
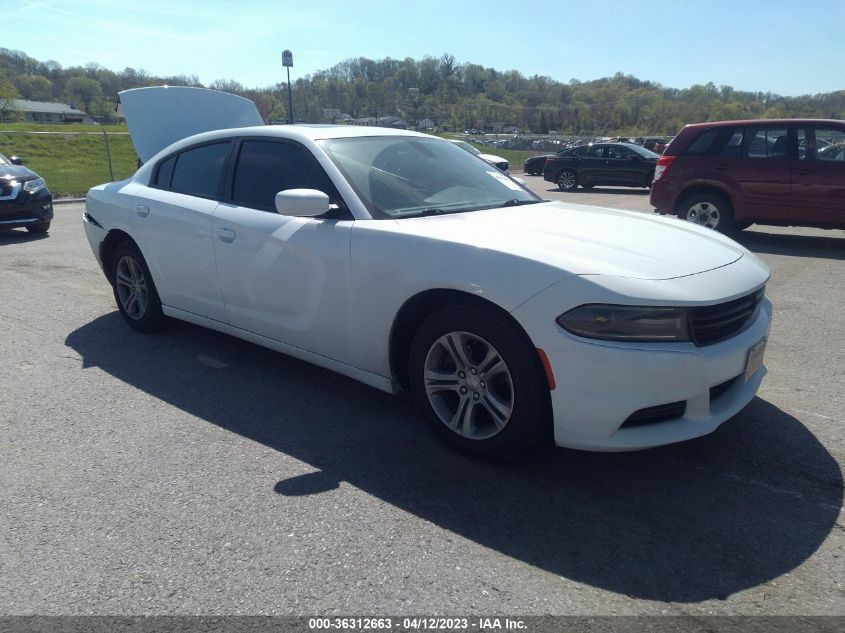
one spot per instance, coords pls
(701, 146)
(198, 170)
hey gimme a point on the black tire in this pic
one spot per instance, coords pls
(134, 290)
(39, 228)
(712, 210)
(567, 180)
(517, 388)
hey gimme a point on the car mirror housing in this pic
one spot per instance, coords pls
(16, 160)
(302, 202)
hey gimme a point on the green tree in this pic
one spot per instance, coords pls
(8, 95)
(84, 90)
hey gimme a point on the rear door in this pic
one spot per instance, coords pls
(818, 177)
(761, 173)
(172, 221)
(592, 164)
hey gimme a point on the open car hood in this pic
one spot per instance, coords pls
(162, 115)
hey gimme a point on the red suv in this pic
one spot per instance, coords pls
(731, 174)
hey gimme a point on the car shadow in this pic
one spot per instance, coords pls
(819, 246)
(20, 236)
(686, 523)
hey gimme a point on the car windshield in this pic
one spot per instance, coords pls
(4, 160)
(407, 176)
(464, 145)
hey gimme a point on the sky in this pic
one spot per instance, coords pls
(788, 47)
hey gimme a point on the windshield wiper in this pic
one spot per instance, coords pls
(430, 211)
(518, 203)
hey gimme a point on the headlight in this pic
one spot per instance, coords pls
(34, 185)
(627, 323)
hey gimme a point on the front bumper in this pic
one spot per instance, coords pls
(600, 385)
(25, 209)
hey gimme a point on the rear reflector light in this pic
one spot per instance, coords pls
(663, 165)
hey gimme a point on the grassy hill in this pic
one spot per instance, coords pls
(71, 158)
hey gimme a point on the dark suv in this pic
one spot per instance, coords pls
(25, 200)
(731, 174)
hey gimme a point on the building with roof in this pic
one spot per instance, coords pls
(382, 121)
(47, 112)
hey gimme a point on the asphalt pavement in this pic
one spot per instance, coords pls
(194, 473)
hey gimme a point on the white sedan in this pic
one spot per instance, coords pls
(402, 261)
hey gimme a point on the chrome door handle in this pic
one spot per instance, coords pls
(143, 210)
(226, 235)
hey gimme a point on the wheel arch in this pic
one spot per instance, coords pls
(107, 246)
(417, 309)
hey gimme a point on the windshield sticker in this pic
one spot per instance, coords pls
(507, 182)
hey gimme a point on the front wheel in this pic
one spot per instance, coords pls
(567, 180)
(479, 382)
(708, 209)
(134, 291)
(41, 228)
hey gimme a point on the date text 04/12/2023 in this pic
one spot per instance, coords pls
(416, 624)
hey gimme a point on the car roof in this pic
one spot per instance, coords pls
(765, 122)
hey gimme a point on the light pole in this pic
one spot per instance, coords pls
(287, 62)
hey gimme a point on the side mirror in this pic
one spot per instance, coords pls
(16, 160)
(305, 203)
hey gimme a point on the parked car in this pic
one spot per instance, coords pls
(533, 165)
(624, 164)
(25, 200)
(497, 161)
(400, 260)
(655, 143)
(730, 174)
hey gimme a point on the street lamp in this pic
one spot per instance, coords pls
(287, 62)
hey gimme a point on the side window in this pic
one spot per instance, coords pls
(264, 168)
(619, 153)
(164, 173)
(733, 148)
(701, 145)
(765, 142)
(822, 143)
(197, 171)
(596, 151)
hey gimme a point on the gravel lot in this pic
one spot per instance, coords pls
(193, 473)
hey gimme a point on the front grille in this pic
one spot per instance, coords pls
(9, 190)
(655, 415)
(711, 324)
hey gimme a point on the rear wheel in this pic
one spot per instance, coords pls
(567, 180)
(134, 291)
(708, 209)
(479, 383)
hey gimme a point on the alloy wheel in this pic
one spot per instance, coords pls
(468, 385)
(131, 287)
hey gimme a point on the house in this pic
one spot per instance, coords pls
(382, 121)
(46, 112)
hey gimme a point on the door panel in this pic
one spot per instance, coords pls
(285, 278)
(173, 231)
(818, 177)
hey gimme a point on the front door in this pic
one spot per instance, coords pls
(818, 176)
(285, 278)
